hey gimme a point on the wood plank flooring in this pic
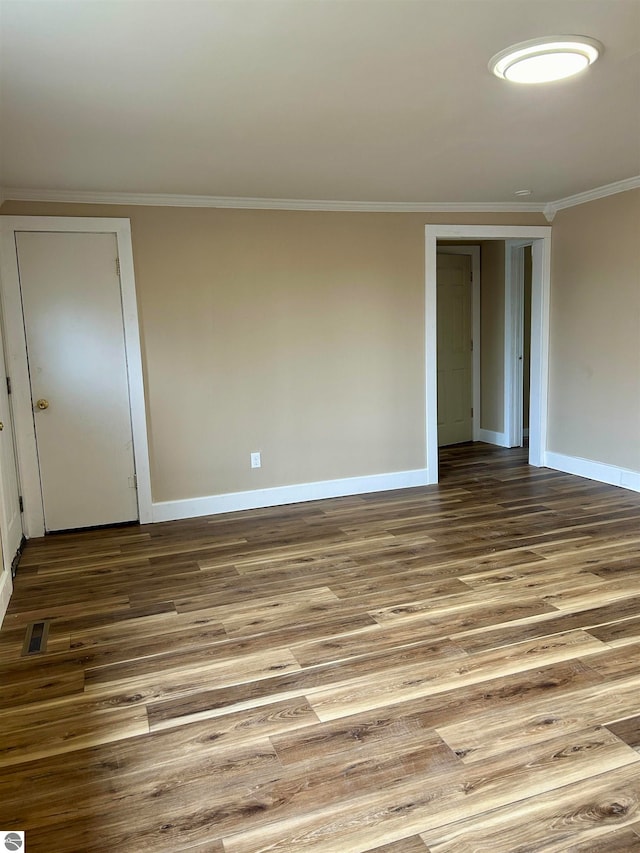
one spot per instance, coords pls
(452, 669)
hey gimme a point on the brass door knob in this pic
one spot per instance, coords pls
(1, 426)
(42, 404)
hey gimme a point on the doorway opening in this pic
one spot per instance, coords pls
(515, 239)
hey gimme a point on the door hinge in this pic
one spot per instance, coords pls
(20, 503)
(471, 411)
(8, 384)
(118, 267)
(471, 344)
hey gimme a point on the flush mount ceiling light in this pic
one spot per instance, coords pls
(545, 59)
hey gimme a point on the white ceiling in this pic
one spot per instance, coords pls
(369, 100)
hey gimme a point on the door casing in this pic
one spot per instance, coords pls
(11, 521)
(17, 364)
(514, 340)
(540, 238)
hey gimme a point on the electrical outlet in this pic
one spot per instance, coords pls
(256, 461)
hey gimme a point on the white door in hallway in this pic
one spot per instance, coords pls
(455, 374)
(78, 373)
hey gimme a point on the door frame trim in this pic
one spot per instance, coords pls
(540, 236)
(472, 252)
(17, 364)
(514, 339)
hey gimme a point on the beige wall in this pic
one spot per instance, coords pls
(298, 334)
(594, 402)
(492, 261)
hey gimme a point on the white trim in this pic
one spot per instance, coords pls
(540, 236)
(514, 340)
(600, 471)
(539, 352)
(490, 437)
(474, 254)
(279, 495)
(549, 209)
(431, 354)
(11, 518)
(511, 331)
(168, 200)
(489, 232)
(553, 207)
(6, 588)
(17, 356)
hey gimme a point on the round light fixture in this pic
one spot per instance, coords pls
(545, 59)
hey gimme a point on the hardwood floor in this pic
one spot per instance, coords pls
(449, 669)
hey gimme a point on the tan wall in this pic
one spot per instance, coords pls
(594, 402)
(492, 260)
(298, 334)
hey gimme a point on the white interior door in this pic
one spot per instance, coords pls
(78, 373)
(455, 377)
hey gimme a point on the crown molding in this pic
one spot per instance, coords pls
(169, 200)
(549, 209)
(553, 207)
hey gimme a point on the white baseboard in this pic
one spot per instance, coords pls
(255, 499)
(6, 588)
(491, 437)
(611, 474)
